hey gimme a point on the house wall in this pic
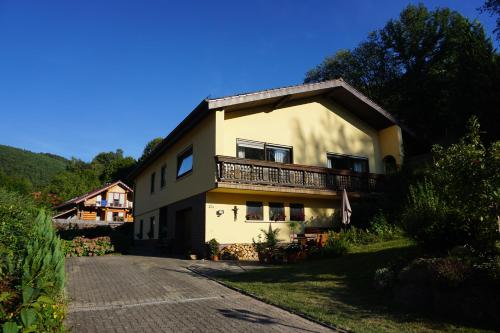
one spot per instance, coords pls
(391, 143)
(202, 178)
(312, 126)
(146, 225)
(224, 228)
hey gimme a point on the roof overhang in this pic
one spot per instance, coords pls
(337, 90)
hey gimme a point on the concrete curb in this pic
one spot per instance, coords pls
(297, 313)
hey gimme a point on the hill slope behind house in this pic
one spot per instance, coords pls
(38, 168)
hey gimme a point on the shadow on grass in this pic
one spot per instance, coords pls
(328, 287)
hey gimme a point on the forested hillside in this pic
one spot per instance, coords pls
(28, 169)
(52, 179)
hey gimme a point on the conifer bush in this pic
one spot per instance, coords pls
(32, 301)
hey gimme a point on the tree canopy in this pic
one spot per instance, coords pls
(150, 146)
(493, 7)
(433, 70)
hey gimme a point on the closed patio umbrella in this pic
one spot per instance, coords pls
(346, 209)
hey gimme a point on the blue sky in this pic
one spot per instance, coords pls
(70, 70)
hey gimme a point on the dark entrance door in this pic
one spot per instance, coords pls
(183, 222)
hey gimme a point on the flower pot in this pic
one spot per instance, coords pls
(214, 258)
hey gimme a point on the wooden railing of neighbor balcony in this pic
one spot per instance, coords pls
(256, 172)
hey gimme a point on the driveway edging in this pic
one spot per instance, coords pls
(284, 308)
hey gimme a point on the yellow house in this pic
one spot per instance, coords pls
(237, 163)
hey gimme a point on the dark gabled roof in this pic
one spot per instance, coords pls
(339, 90)
(92, 193)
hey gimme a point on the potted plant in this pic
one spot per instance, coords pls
(259, 248)
(213, 249)
(267, 249)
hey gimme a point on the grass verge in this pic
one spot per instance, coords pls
(339, 291)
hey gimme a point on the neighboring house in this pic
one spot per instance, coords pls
(110, 203)
(237, 163)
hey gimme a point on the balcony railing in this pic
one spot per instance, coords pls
(256, 172)
(111, 204)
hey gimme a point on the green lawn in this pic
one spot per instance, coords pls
(339, 291)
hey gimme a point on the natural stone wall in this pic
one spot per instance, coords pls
(238, 252)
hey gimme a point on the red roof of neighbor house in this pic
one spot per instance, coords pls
(92, 193)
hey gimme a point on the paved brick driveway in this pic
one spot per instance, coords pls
(147, 294)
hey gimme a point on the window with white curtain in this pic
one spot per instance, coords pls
(347, 162)
(278, 154)
(256, 150)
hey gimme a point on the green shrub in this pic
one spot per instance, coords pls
(384, 278)
(16, 215)
(459, 202)
(120, 236)
(35, 299)
(430, 221)
(450, 272)
(356, 236)
(336, 245)
(382, 228)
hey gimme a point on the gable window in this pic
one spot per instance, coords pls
(276, 211)
(347, 162)
(163, 172)
(297, 212)
(254, 211)
(116, 199)
(256, 150)
(152, 183)
(185, 162)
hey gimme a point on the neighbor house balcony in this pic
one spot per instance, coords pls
(239, 173)
(113, 204)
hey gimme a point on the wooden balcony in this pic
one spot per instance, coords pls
(239, 171)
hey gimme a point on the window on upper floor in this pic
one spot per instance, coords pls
(152, 183)
(250, 149)
(297, 212)
(185, 162)
(256, 150)
(347, 162)
(279, 154)
(116, 199)
(163, 174)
